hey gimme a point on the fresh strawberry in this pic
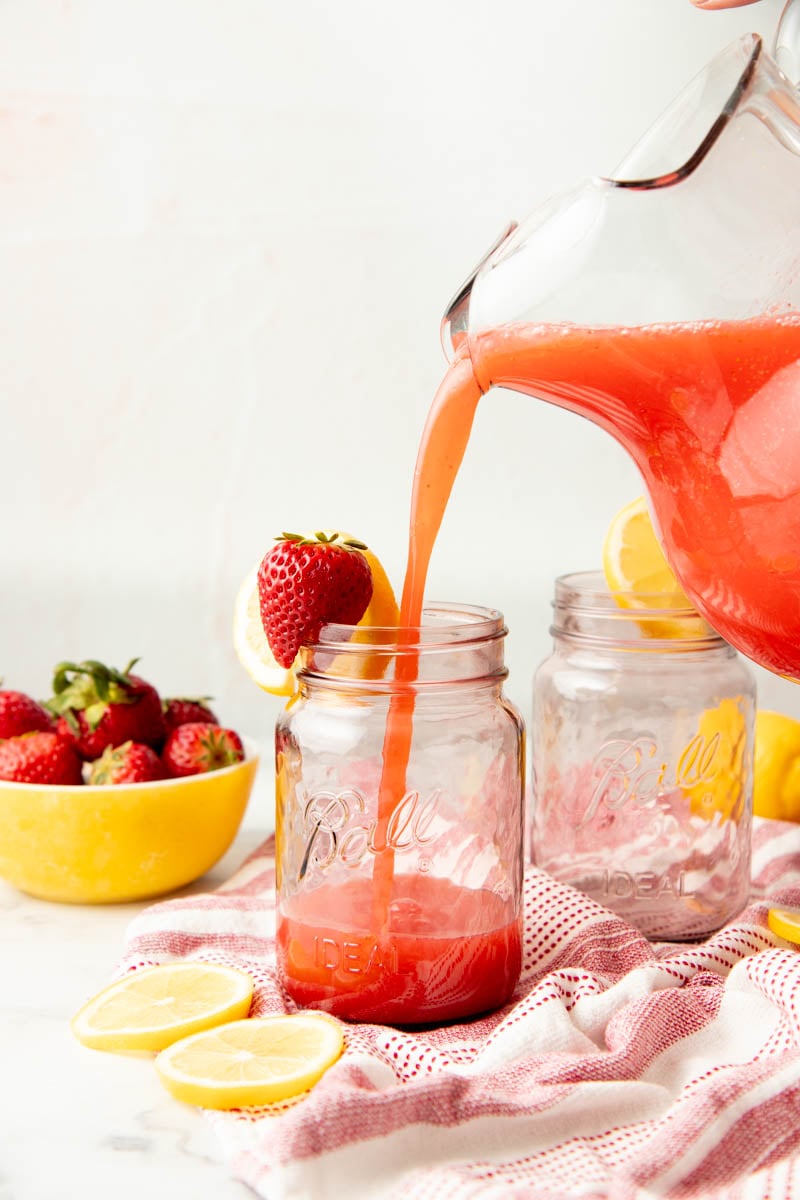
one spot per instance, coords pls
(304, 583)
(98, 706)
(132, 762)
(39, 757)
(183, 710)
(20, 714)
(198, 747)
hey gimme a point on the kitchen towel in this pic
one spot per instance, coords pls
(621, 1068)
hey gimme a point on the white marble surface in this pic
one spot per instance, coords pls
(77, 1122)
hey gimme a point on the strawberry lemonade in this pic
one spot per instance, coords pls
(694, 405)
(710, 412)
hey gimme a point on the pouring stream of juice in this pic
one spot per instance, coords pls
(444, 442)
(710, 413)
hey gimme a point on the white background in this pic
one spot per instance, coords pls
(228, 232)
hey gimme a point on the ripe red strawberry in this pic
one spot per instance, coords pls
(39, 757)
(132, 762)
(98, 706)
(20, 714)
(304, 584)
(198, 747)
(182, 710)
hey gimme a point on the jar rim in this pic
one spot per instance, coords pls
(592, 590)
(588, 610)
(445, 625)
(456, 644)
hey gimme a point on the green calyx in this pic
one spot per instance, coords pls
(322, 539)
(111, 758)
(217, 751)
(89, 687)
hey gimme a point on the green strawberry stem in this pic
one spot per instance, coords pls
(89, 687)
(322, 539)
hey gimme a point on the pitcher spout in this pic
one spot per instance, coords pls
(455, 322)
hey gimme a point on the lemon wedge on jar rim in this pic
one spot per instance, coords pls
(637, 572)
(250, 641)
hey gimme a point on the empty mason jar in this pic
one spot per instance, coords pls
(400, 822)
(642, 741)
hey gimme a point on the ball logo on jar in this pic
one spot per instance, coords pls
(634, 773)
(339, 829)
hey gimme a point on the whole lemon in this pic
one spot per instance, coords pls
(776, 776)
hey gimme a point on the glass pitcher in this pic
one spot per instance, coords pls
(663, 303)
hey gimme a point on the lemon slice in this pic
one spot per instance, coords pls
(151, 1009)
(786, 923)
(253, 1062)
(637, 571)
(250, 641)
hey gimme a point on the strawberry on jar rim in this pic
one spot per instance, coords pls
(305, 583)
(98, 706)
(19, 713)
(199, 747)
(132, 762)
(39, 757)
(186, 710)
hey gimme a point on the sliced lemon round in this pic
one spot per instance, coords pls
(260, 1061)
(152, 1008)
(637, 572)
(776, 770)
(250, 641)
(786, 923)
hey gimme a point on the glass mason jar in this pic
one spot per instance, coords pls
(400, 822)
(642, 742)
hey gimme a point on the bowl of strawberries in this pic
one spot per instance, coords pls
(111, 793)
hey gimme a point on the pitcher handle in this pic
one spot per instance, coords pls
(786, 47)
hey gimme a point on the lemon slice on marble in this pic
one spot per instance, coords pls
(151, 1008)
(255, 1062)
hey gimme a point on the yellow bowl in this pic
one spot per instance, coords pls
(100, 845)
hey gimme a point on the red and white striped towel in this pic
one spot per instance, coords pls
(621, 1069)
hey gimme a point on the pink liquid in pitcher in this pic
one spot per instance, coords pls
(710, 413)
